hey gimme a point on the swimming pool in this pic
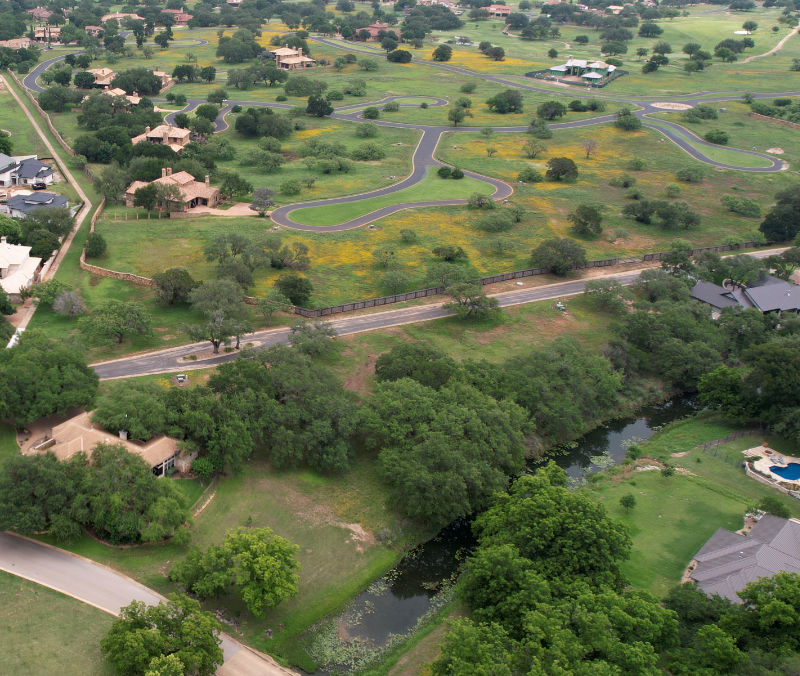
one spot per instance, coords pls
(791, 472)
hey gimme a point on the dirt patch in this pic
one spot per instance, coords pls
(776, 151)
(671, 105)
(679, 455)
(320, 515)
(357, 382)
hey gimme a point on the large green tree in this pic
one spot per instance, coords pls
(143, 635)
(116, 320)
(259, 565)
(39, 377)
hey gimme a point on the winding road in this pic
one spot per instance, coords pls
(109, 591)
(430, 135)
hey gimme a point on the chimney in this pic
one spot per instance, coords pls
(169, 171)
(163, 172)
(3, 238)
(208, 182)
(300, 51)
(147, 129)
(123, 434)
(166, 134)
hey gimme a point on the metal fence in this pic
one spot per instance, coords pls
(719, 249)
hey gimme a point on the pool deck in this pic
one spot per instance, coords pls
(769, 458)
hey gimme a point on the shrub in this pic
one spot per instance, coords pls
(281, 97)
(637, 164)
(366, 130)
(391, 107)
(368, 152)
(335, 95)
(529, 175)
(672, 189)
(457, 173)
(468, 87)
(623, 181)
(717, 136)
(478, 201)
(95, 245)
(291, 187)
(690, 174)
(444, 172)
(499, 221)
(371, 113)
(741, 205)
(408, 236)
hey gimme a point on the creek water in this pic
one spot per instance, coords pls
(394, 604)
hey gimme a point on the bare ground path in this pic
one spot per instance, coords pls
(776, 48)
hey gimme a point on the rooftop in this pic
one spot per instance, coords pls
(729, 561)
(27, 203)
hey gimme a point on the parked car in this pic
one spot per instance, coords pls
(39, 186)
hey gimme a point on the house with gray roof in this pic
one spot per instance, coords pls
(19, 206)
(26, 170)
(766, 294)
(730, 561)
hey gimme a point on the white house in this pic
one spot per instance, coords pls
(17, 268)
(24, 170)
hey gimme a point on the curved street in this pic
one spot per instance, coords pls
(109, 591)
(423, 157)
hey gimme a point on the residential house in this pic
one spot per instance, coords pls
(40, 13)
(614, 9)
(498, 10)
(133, 99)
(234, 3)
(375, 30)
(766, 294)
(193, 193)
(95, 31)
(119, 17)
(16, 43)
(181, 17)
(165, 134)
(19, 206)
(730, 561)
(166, 78)
(102, 76)
(288, 58)
(17, 268)
(24, 171)
(80, 434)
(47, 34)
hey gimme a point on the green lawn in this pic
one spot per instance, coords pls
(44, 632)
(673, 517)
(431, 188)
(320, 514)
(8, 442)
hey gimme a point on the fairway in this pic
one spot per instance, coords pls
(432, 188)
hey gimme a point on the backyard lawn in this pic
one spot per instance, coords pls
(674, 516)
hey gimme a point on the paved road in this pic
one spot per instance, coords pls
(166, 361)
(109, 591)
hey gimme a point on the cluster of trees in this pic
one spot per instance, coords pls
(544, 587)
(41, 230)
(449, 435)
(115, 494)
(784, 108)
(239, 47)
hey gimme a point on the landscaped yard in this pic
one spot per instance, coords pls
(45, 632)
(674, 516)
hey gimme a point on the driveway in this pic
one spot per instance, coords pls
(109, 591)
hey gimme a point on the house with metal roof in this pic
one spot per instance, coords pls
(20, 206)
(729, 561)
(766, 294)
(584, 70)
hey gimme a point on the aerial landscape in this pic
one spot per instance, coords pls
(400, 338)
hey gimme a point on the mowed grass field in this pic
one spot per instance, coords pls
(674, 516)
(44, 632)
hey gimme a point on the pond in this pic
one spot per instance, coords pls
(392, 607)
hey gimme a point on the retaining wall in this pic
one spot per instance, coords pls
(776, 120)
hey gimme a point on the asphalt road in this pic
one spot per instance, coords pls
(109, 591)
(167, 361)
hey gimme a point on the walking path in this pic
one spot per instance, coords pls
(109, 591)
(776, 48)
